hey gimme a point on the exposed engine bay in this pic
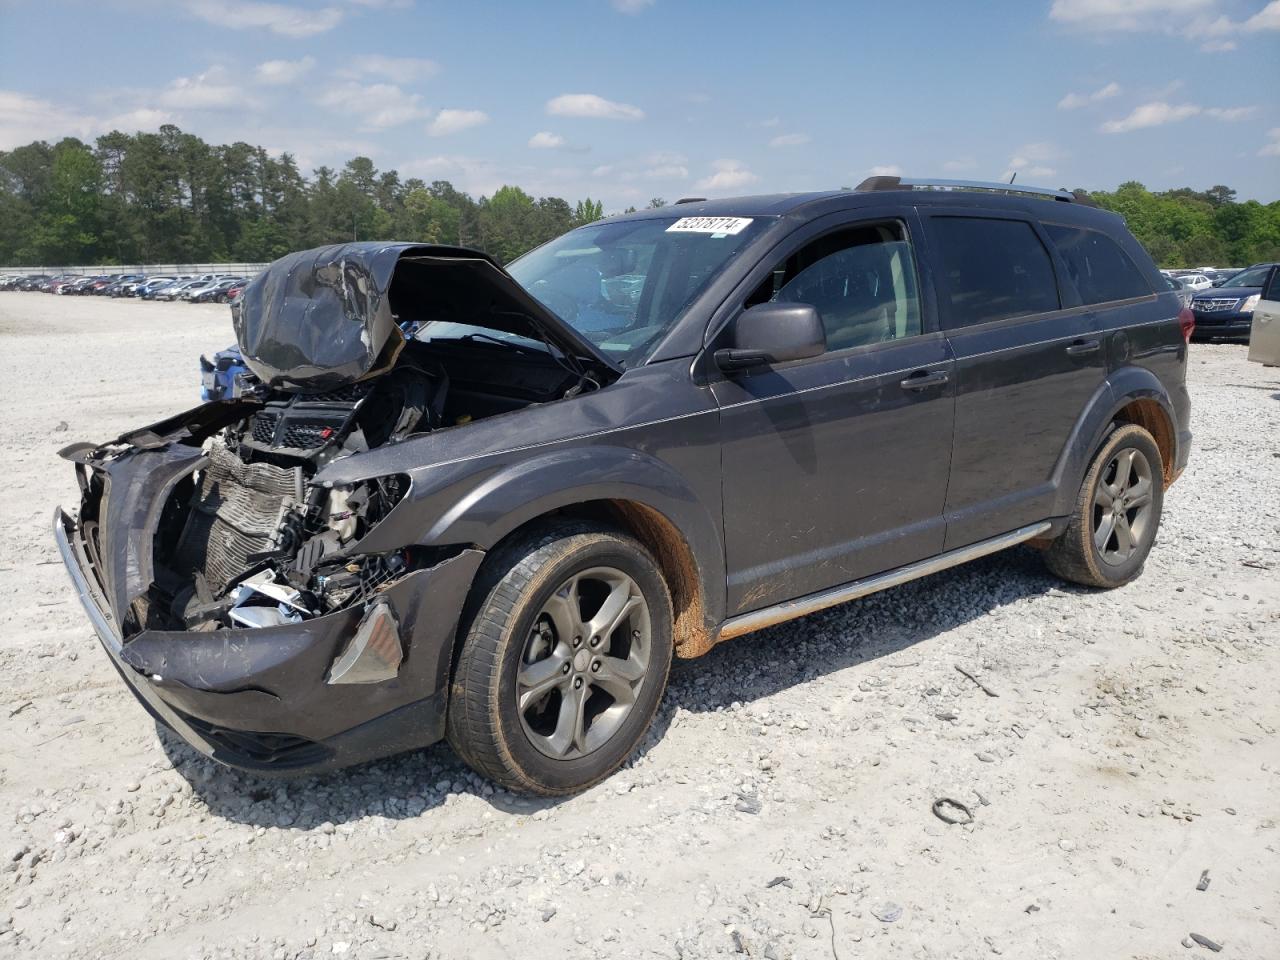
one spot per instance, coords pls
(239, 534)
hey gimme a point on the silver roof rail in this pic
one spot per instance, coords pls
(872, 184)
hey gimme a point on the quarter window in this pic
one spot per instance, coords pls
(1100, 269)
(862, 282)
(994, 269)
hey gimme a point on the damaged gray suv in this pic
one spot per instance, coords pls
(461, 502)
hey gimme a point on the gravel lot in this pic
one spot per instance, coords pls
(780, 809)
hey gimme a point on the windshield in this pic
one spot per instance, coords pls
(624, 285)
(1252, 277)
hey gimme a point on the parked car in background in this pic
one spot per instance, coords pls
(1264, 342)
(1226, 312)
(654, 433)
(117, 287)
(215, 292)
(1183, 291)
(173, 291)
(234, 291)
(33, 281)
(1195, 281)
(147, 289)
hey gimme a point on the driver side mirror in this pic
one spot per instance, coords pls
(771, 333)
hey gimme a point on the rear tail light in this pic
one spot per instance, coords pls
(1187, 321)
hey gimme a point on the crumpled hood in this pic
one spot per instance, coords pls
(324, 317)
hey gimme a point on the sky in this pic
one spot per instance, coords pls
(627, 100)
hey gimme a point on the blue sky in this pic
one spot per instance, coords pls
(624, 100)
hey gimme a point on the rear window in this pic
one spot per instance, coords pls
(1100, 270)
(994, 269)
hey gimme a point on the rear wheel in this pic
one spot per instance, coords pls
(1117, 513)
(564, 660)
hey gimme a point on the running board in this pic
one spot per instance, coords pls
(779, 613)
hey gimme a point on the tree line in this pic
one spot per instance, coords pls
(170, 197)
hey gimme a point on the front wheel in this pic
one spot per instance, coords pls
(1117, 513)
(567, 646)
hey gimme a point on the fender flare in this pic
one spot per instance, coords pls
(517, 493)
(1118, 390)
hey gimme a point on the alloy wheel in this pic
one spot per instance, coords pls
(1122, 506)
(584, 663)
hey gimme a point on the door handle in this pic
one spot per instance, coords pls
(1083, 348)
(923, 380)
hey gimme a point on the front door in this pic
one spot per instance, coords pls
(835, 468)
(1264, 340)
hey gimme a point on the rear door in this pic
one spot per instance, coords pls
(835, 467)
(1028, 359)
(1264, 342)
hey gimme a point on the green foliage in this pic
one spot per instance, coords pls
(1190, 228)
(170, 197)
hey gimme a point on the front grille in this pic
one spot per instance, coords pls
(349, 393)
(264, 427)
(306, 436)
(238, 512)
(1215, 306)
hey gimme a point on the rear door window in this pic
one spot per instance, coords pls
(993, 269)
(1100, 270)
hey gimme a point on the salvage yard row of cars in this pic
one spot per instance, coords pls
(205, 288)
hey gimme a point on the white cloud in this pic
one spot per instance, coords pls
(143, 118)
(590, 105)
(546, 140)
(384, 4)
(960, 164)
(1230, 114)
(24, 118)
(278, 72)
(1218, 46)
(378, 105)
(1108, 15)
(1033, 160)
(885, 170)
(1073, 101)
(729, 175)
(666, 171)
(1159, 113)
(447, 122)
(1272, 147)
(276, 17)
(1268, 18)
(395, 69)
(211, 90)
(631, 7)
(790, 140)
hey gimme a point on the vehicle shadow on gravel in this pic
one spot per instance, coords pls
(743, 670)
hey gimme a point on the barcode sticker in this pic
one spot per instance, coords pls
(724, 226)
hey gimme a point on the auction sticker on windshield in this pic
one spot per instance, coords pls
(724, 226)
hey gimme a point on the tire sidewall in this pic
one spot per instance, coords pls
(1134, 437)
(583, 553)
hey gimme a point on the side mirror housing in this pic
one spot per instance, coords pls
(771, 333)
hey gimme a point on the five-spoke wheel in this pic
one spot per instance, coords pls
(563, 660)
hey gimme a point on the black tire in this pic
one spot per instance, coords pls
(507, 616)
(1076, 555)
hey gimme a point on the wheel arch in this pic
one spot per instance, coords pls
(1129, 395)
(619, 487)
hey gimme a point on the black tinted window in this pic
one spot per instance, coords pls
(994, 269)
(1272, 292)
(1100, 270)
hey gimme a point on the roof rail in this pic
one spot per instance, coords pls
(689, 200)
(873, 184)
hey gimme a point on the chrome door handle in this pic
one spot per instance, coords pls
(1083, 348)
(923, 380)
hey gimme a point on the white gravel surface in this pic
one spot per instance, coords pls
(781, 808)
